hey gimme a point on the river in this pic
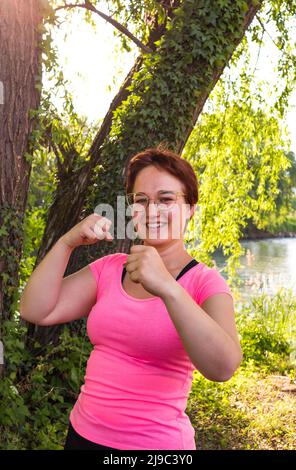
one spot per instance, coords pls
(268, 265)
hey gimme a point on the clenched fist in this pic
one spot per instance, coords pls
(87, 232)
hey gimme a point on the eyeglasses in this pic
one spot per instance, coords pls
(164, 201)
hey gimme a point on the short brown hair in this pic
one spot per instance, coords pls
(165, 160)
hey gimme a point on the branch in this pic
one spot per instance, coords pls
(88, 6)
(271, 38)
(259, 51)
(265, 30)
(60, 165)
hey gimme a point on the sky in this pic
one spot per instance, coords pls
(95, 67)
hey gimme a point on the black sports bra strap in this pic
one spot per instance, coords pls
(123, 274)
(186, 268)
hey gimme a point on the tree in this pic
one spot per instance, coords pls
(282, 217)
(20, 78)
(241, 161)
(164, 93)
(22, 54)
(185, 46)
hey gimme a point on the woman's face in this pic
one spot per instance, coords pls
(152, 182)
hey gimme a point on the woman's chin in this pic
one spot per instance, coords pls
(156, 237)
(157, 240)
(154, 241)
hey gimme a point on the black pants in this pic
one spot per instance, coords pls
(76, 442)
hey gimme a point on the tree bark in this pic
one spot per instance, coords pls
(143, 120)
(20, 71)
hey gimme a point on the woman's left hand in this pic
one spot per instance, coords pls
(146, 267)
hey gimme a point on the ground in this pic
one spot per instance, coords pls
(250, 411)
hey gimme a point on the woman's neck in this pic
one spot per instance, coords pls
(173, 254)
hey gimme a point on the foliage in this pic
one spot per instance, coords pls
(11, 221)
(38, 391)
(64, 141)
(283, 218)
(282, 222)
(163, 98)
(137, 16)
(279, 16)
(239, 147)
(287, 185)
(268, 330)
(195, 45)
(249, 412)
(238, 152)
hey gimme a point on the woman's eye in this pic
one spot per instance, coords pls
(165, 200)
(140, 201)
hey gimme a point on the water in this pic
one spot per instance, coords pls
(269, 265)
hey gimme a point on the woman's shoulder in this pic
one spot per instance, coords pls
(203, 270)
(109, 259)
(205, 273)
(209, 281)
(106, 263)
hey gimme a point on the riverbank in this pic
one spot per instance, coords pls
(256, 234)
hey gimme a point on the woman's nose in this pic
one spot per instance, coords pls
(152, 208)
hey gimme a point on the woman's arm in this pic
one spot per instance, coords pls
(208, 333)
(43, 288)
(48, 298)
(209, 338)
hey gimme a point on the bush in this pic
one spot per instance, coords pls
(267, 329)
(39, 390)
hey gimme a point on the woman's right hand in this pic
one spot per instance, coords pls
(87, 232)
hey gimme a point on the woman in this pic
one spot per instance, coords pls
(154, 316)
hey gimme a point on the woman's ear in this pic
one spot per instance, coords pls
(192, 210)
(189, 217)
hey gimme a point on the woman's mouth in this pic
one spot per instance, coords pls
(156, 225)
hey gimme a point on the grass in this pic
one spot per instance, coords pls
(251, 411)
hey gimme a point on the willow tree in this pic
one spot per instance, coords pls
(242, 155)
(160, 101)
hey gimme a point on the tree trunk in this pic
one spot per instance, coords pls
(165, 99)
(20, 71)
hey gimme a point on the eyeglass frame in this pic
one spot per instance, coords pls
(177, 193)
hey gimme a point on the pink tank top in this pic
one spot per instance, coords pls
(138, 376)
